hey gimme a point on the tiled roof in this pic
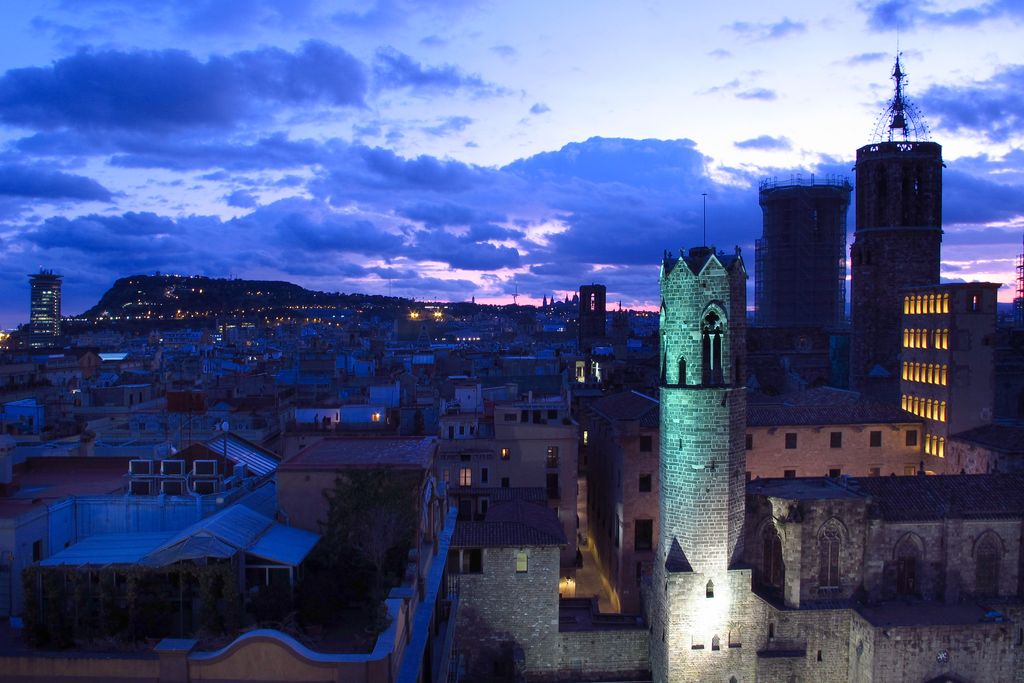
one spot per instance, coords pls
(907, 499)
(821, 406)
(628, 405)
(340, 452)
(960, 495)
(999, 437)
(498, 494)
(513, 523)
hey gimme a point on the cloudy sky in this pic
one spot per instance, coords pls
(455, 148)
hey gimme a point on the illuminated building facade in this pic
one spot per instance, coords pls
(947, 372)
(44, 308)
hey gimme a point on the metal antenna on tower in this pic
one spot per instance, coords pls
(704, 196)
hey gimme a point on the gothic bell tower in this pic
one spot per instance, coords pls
(897, 239)
(703, 461)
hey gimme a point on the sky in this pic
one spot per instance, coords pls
(449, 149)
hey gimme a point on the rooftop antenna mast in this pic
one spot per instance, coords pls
(704, 197)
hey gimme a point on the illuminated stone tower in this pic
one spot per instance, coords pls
(696, 599)
(896, 242)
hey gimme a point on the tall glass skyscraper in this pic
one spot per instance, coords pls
(45, 308)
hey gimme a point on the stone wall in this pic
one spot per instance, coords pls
(603, 654)
(501, 609)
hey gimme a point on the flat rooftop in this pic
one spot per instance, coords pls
(336, 452)
(42, 481)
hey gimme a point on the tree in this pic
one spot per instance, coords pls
(372, 517)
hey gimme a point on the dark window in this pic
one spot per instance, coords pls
(465, 509)
(552, 414)
(986, 566)
(834, 472)
(646, 444)
(553, 457)
(645, 483)
(37, 551)
(789, 474)
(835, 440)
(772, 568)
(874, 471)
(829, 543)
(911, 437)
(553, 490)
(483, 475)
(643, 534)
(750, 442)
(639, 573)
(875, 439)
(709, 590)
(748, 475)
(472, 561)
(906, 568)
(484, 503)
(524, 416)
(510, 417)
(716, 643)
(790, 439)
(504, 482)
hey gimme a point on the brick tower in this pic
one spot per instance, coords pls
(694, 596)
(896, 242)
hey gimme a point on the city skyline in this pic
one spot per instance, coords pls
(452, 150)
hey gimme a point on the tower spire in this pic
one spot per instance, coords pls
(897, 115)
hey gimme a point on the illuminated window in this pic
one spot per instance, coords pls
(942, 412)
(903, 402)
(375, 417)
(522, 562)
(504, 453)
(906, 305)
(945, 339)
(905, 365)
(906, 338)
(586, 437)
(943, 379)
(466, 476)
(945, 303)
(552, 457)
(942, 447)
(931, 303)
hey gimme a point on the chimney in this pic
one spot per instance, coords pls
(7, 444)
(86, 444)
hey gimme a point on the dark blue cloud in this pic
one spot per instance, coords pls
(867, 58)
(768, 31)
(442, 214)
(26, 181)
(910, 14)
(539, 108)
(757, 94)
(397, 70)
(993, 108)
(765, 142)
(451, 124)
(241, 199)
(171, 89)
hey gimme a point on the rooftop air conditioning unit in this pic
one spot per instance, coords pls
(138, 487)
(204, 487)
(140, 467)
(173, 487)
(204, 468)
(172, 468)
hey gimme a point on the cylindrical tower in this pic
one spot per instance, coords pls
(801, 256)
(896, 242)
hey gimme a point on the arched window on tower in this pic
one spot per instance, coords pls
(711, 349)
(681, 380)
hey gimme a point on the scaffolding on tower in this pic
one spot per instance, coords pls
(1018, 301)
